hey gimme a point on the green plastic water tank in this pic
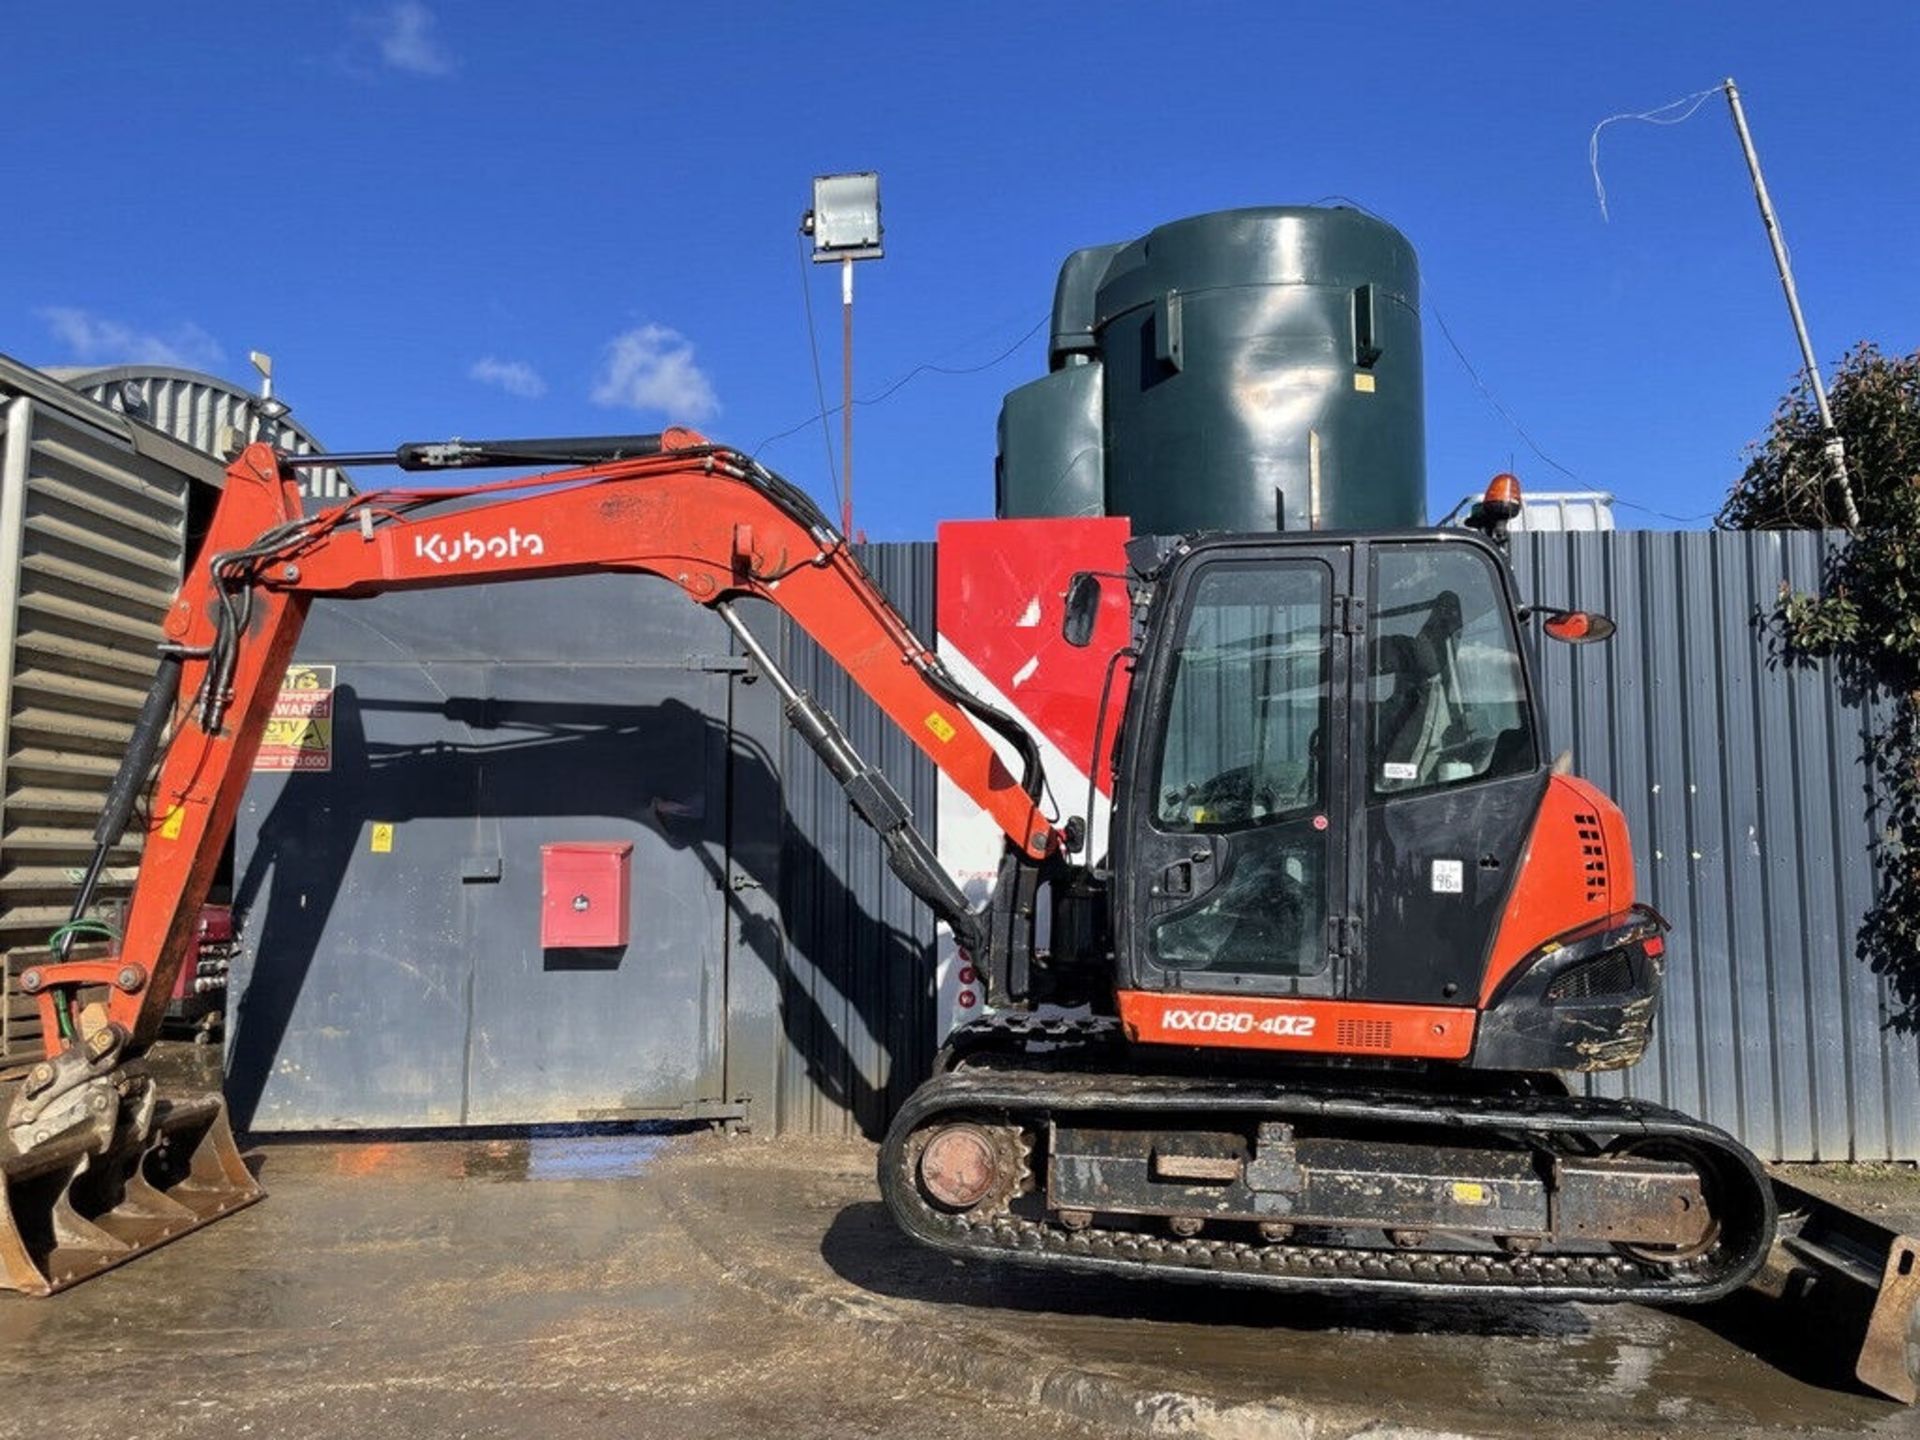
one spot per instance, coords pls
(1259, 369)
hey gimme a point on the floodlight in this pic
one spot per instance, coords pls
(845, 219)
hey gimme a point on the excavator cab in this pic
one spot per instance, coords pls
(1329, 772)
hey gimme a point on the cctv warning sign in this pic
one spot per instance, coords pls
(299, 736)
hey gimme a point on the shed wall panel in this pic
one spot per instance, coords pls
(93, 536)
(399, 979)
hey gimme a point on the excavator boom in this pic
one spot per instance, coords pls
(699, 515)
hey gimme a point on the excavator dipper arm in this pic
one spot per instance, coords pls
(699, 515)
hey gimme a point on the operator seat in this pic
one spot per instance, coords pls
(1409, 723)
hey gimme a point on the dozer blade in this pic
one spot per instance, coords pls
(1857, 1282)
(75, 1206)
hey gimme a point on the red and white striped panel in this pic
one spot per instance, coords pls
(1000, 598)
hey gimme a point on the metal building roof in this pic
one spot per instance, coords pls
(200, 410)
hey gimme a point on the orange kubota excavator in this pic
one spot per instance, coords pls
(1204, 1060)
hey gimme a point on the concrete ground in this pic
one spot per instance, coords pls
(424, 1290)
(708, 1287)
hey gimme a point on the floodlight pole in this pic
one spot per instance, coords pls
(845, 225)
(1836, 448)
(846, 396)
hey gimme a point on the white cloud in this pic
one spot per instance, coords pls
(94, 340)
(406, 34)
(516, 377)
(652, 368)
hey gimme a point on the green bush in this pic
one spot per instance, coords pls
(1866, 618)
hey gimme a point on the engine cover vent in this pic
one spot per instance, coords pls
(1363, 1034)
(1593, 855)
(1608, 974)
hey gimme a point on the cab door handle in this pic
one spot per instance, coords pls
(1180, 878)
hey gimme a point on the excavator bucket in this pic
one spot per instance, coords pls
(81, 1203)
(1855, 1281)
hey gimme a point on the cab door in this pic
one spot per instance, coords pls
(1230, 850)
(1448, 770)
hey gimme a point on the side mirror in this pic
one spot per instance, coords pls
(1083, 608)
(1578, 627)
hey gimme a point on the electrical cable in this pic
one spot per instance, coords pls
(819, 385)
(918, 370)
(931, 369)
(1491, 398)
(1521, 431)
(984, 335)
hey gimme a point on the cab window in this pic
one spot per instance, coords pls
(1246, 721)
(1447, 700)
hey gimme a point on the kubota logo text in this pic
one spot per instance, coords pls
(446, 549)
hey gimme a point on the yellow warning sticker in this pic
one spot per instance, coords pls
(941, 727)
(174, 823)
(382, 841)
(1471, 1192)
(1363, 382)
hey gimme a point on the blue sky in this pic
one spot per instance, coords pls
(505, 219)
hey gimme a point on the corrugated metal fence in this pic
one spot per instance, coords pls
(1744, 782)
(859, 970)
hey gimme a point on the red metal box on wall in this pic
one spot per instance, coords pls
(585, 890)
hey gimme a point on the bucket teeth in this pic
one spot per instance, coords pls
(87, 1200)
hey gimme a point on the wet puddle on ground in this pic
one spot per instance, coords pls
(556, 1153)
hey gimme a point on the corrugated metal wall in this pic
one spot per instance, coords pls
(93, 530)
(822, 982)
(1744, 782)
(857, 988)
(401, 981)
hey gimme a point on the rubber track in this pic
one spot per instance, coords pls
(1031, 1096)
